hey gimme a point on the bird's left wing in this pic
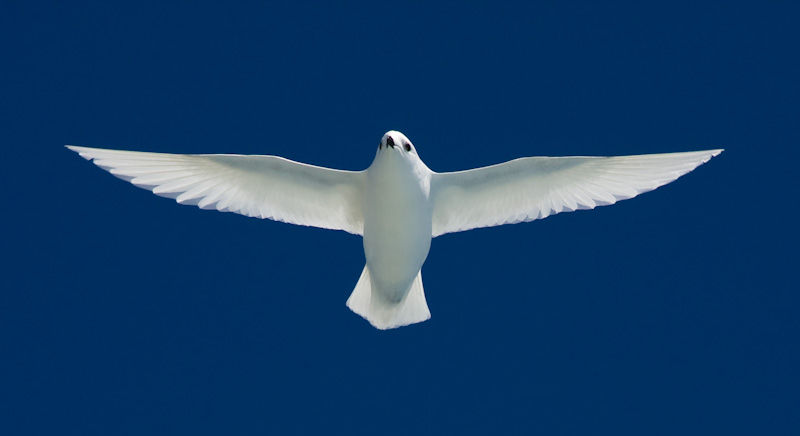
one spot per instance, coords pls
(536, 187)
(257, 186)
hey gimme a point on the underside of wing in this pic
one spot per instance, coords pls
(257, 186)
(537, 187)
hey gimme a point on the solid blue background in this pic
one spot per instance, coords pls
(672, 313)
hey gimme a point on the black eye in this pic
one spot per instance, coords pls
(408, 146)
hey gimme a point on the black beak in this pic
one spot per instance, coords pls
(390, 142)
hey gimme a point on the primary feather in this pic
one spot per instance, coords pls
(257, 186)
(537, 187)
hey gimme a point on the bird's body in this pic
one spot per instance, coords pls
(397, 204)
(397, 222)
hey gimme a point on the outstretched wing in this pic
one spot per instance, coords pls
(537, 187)
(258, 186)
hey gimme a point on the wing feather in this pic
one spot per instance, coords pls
(258, 186)
(537, 187)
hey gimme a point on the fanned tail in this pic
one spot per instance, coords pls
(383, 314)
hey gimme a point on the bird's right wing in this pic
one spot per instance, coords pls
(257, 186)
(536, 187)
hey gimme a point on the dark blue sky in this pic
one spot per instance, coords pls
(672, 313)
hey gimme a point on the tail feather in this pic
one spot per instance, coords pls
(386, 315)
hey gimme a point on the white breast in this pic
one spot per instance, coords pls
(397, 223)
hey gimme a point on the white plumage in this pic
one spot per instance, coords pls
(397, 204)
(257, 186)
(537, 187)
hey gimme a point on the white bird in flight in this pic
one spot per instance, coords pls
(397, 204)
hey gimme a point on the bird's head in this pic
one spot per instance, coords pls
(394, 141)
(395, 149)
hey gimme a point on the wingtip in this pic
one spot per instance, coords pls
(82, 151)
(709, 154)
